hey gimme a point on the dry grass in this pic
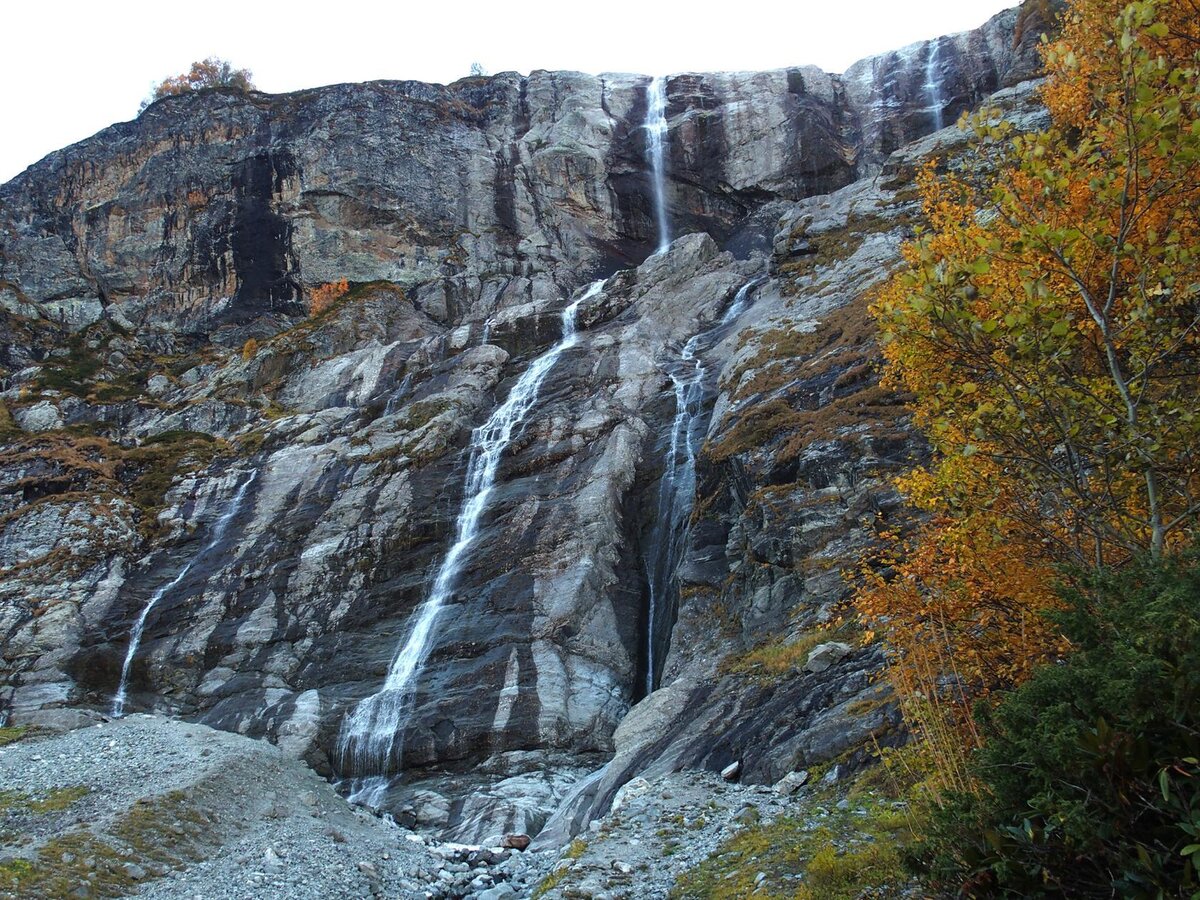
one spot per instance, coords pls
(840, 355)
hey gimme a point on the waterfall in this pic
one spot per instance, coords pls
(139, 627)
(656, 135)
(398, 395)
(677, 486)
(370, 738)
(933, 85)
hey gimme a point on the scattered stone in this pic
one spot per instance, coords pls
(133, 765)
(748, 815)
(823, 656)
(515, 841)
(42, 416)
(157, 385)
(730, 772)
(631, 790)
(791, 782)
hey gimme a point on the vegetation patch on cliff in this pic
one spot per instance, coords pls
(775, 658)
(812, 385)
(62, 463)
(805, 253)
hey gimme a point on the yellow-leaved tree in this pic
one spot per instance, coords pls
(1047, 325)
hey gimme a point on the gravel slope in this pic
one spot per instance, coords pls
(166, 809)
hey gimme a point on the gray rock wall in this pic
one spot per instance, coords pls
(160, 346)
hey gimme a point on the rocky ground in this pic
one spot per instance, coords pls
(155, 807)
(657, 831)
(160, 808)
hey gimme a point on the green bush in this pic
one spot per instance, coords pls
(1090, 785)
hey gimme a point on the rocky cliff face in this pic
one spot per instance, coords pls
(166, 372)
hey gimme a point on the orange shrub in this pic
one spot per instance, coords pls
(325, 295)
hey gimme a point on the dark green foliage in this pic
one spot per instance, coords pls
(1090, 773)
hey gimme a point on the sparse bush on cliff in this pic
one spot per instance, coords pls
(325, 295)
(212, 72)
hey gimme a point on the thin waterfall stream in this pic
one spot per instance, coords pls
(933, 86)
(656, 135)
(398, 395)
(370, 744)
(139, 627)
(677, 486)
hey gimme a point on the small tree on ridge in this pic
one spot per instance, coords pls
(212, 72)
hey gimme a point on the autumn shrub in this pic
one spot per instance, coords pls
(325, 295)
(1090, 784)
(211, 72)
(960, 604)
(205, 73)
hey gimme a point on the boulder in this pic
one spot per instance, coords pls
(791, 782)
(825, 655)
(43, 416)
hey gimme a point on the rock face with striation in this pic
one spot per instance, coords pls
(168, 332)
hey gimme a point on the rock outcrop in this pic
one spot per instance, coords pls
(168, 335)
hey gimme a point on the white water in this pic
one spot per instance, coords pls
(139, 627)
(677, 486)
(369, 791)
(370, 737)
(933, 86)
(656, 134)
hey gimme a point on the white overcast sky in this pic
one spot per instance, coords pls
(70, 68)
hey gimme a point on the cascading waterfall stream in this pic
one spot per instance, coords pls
(933, 86)
(656, 135)
(677, 486)
(370, 742)
(139, 627)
